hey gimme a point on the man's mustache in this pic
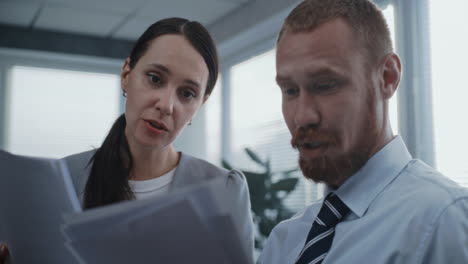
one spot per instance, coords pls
(303, 135)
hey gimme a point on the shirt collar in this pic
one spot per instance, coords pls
(362, 188)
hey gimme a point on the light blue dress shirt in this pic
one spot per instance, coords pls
(402, 211)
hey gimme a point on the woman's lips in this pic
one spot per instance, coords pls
(156, 124)
(156, 127)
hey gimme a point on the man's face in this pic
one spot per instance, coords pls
(329, 100)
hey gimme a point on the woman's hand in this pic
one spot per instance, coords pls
(4, 253)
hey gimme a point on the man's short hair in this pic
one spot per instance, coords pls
(363, 16)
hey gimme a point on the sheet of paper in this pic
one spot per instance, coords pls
(157, 230)
(42, 222)
(176, 235)
(34, 193)
(201, 195)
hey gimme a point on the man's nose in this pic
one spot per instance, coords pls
(307, 112)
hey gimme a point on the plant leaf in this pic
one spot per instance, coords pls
(286, 172)
(256, 183)
(285, 185)
(259, 205)
(284, 214)
(254, 157)
(226, 164)
(268, 166)
(266, 226)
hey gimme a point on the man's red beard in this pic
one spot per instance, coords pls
(333, 171)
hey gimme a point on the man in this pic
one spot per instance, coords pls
(337, 71)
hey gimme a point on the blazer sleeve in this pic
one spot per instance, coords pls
(241, 211)
(79, 167)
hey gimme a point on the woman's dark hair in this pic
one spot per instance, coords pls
(112, 162)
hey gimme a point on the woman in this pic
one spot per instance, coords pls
(168, 76)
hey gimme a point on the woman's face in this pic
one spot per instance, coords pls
(164, 90)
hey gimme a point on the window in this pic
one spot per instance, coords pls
(53, 113)
(213, 124)
(449, 39)
(257, 122)
(393, 106)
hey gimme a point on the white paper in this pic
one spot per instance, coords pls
(42, 222)
(177, 235)
(34, 194)
(187, 226)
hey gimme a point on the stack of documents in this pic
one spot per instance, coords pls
(34, 196)
(43, 222)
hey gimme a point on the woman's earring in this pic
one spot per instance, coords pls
(190, 123)
(124, 93)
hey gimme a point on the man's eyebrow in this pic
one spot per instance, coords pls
(282, 79)
(168, 72)
(320, 72)
(324, 71)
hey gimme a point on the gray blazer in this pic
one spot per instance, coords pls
(190, 171)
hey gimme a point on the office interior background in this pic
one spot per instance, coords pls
(60, 90)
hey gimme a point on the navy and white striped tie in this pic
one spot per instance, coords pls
(321, 234)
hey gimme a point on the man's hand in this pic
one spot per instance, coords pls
(4, 253)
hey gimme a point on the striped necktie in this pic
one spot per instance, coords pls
(321, 234)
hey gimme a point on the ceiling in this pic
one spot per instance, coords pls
(123, 19)
(107, 28)
(234, 24)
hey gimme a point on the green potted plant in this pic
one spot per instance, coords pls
(267, 189)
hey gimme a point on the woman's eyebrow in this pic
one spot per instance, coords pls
(168, 72)
(161, 67)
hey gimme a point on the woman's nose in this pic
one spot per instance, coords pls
(165, 101)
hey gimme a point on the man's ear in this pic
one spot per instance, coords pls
(124, 75)
(390, 74)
